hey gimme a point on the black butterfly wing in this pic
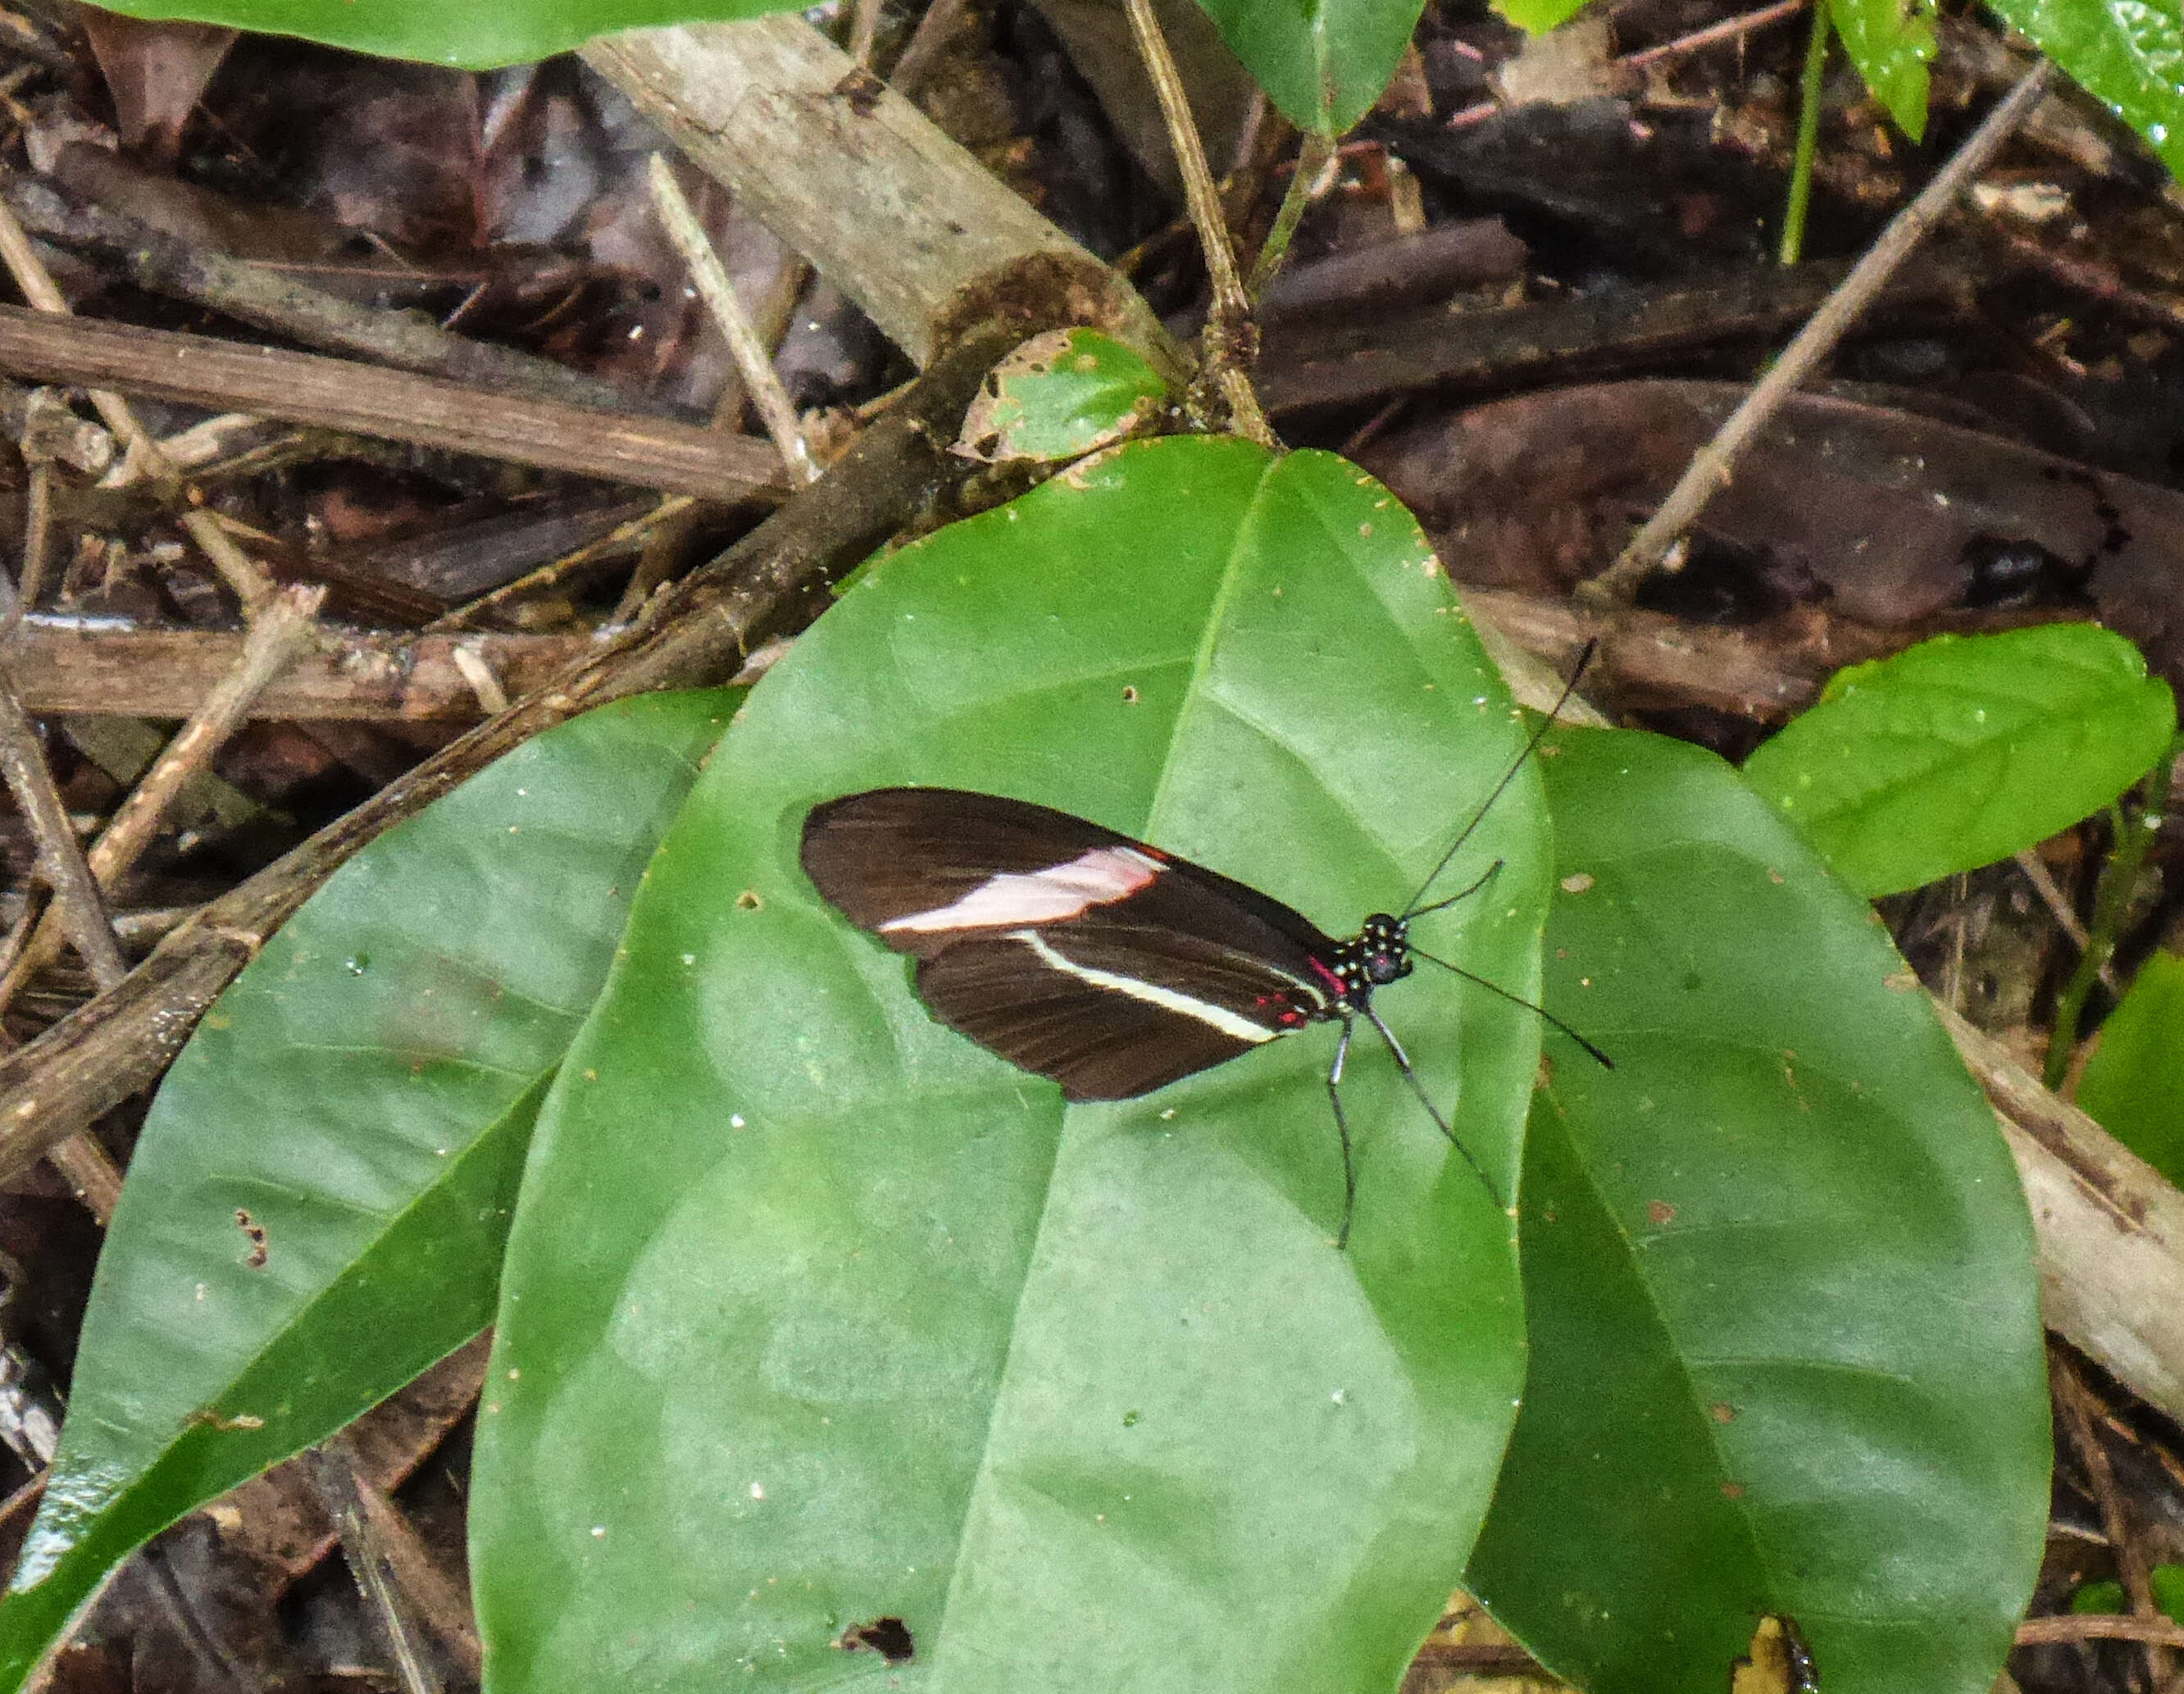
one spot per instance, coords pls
(904, 863)
(1077, 953)
(1110, 1011)
(889, 854)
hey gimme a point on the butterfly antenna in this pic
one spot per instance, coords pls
(1491, 871)
(1607, 1063)
(1508, 777)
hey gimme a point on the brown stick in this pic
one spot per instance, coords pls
(81, 914)
(1230, 344)
(171, 673)
(1722, 31)
(270, 299)
(283, 631)
(777, 576)
(1711, 466)
(2110, 1227)
(2099, 1627)
(308, 388)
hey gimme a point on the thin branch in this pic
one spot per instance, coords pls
(926, 42)
(2099, 1627)
(343, 394)
(279, 634)
(636, 533)
(1229, 336)
(241, 573)
(81, 913)
(864, 26)
(1728, 28)
(760, 380)
(332, 1470)
(1315, 153)
(1711, 466)
(2059, 907)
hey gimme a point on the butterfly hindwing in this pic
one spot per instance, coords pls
(1076, 952)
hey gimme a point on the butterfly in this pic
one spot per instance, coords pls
(1111, 966)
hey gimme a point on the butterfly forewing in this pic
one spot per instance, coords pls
(1076, 952)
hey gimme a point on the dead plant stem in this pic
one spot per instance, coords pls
(284, 630)
(1712, 466)
(714, 285)
(1229, 336)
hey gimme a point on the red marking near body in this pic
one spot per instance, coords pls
(1328, 976)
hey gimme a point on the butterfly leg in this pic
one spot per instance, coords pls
(1403, 1064)
(1342, 1128)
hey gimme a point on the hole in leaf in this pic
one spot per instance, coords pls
(888, 1637)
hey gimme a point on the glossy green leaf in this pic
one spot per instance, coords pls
(1536, 17)
(816, 1313)
(1965, 750)
(1061, 395)
(2126, 54)
(1786, 1355)
(2134, 1082)
(1891, 43)
(476, 34)
(363, 1095)
(2166, 1583)
(1322, 62)
(2104, 1598)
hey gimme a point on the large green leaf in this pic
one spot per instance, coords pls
(816, 1313)
(1965, 750)
(1785, 1337)
(2128, 54)
(476, 34)
(359, 1102)
(1322, 62)
(2134, 1082)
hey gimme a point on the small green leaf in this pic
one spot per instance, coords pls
(1322, 62)
(316, 1209)
(1537, 17)
(1787, 1353)
(2165, 1583)
(1060, 396)
(1965, 750)
(2128, 55)
(816, 1313)
(1891, 43)
(2134, 1082)
(476, 34)
(2102, 1599)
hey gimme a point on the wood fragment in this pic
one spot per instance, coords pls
(66, 666)
(2110, 1227)
(284, 630)
(310, 388)
(886, 206)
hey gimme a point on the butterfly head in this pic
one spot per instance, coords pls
(1380, 953)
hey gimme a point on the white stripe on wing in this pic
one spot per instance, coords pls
(1098, 878)
(1230, 1023)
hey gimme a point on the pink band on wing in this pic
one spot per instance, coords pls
(1054, 895)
